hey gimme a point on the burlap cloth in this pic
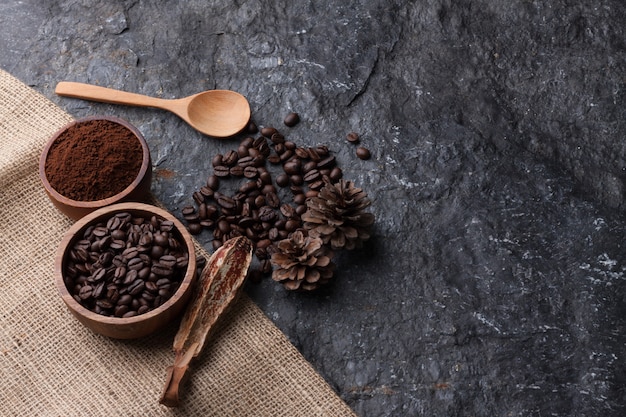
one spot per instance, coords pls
(50, 365)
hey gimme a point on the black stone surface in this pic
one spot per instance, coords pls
(494, 283)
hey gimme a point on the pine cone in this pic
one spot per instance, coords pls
(302, 262)
(336, 215)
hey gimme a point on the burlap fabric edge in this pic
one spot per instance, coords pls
(51, 365)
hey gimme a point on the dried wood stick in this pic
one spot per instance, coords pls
(219, 284)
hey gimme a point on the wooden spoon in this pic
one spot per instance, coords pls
(216, 113)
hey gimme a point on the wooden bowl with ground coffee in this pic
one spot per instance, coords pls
(126, 270)
(94, 162)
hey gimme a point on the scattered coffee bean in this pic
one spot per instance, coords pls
(268, 131)
(253, 207)
(292, 119)
(353, 137)
(363, 153)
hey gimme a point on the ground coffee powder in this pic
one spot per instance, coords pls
(93, 160)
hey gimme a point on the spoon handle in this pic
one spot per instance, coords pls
(106, 95)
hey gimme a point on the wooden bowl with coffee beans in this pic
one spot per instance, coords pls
(126, 270)
(94, 162)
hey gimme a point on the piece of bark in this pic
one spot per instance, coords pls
(219, 285)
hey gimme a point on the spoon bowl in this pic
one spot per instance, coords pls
(215, 113)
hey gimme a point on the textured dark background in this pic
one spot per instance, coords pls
(494, 284)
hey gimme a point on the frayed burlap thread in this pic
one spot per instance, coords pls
(51, 365)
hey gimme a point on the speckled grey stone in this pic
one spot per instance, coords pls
(494, 283)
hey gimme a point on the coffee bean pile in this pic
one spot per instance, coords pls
(255, 210)
(126, 266)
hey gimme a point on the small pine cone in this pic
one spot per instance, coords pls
(302, 262)
(336, 215)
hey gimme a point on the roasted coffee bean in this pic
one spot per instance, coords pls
(263, 244)
(259, 201)
(296, 180)
(226, 202)
(250, 172)
(277, 138)
(242, 151)
(230, 158)
(99, 290)
(116, 273)
(266, 266)
(202, 211)
(221, 171)
(130, 276)
(223, 226)
(268, 188)
(316, 185)
(248, 186)
(265, 177)
(309, 166)
(260, 253)
(211, 211)
(142, 310)
(217, 160)
(100, 231)
(252, 127)
(301, 153)
(135, 264)
(206, 192)
(279, 148)
(213, 182)
(236, 171)
(247, 142)
(152, 287)
(313, 154)
(335, 174)
(312, 175)
(259, 161)
(120, 310)
(114, 223)
(117, 244)
(282, 180)
(136, 287)
(268, 131)
(98, 275)
(161, 270)
(246, 161)
(195, 228)
(272, 199)
(267, 214)
(327, 162)
(353, 137)
(292, 225)
(287, 210)
(85, 292)
(208, 223)
(274, 159)
(291, 119)
(285, 156)
(198, 197)
(363, 153)
(293, 167)
(144, 273)
(125, 299)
